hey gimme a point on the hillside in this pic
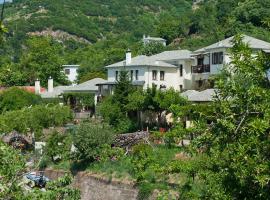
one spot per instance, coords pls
(97, 32)
(92, 20)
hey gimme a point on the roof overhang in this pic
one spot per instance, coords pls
(266, 50)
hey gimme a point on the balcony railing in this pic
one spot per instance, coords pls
(201, 69)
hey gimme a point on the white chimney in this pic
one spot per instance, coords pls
(50, 84)
(37, 86)
(128, 57)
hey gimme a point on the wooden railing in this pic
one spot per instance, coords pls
(201, 69)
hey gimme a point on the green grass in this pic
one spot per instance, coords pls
(123, 170)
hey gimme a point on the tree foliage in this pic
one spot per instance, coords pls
(90, 140)
(42, 59)
(237, 142)
(16, 98)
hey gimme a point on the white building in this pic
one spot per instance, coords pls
(211, 59)
(179, 69)
(71, 71)
(147, 39)
(170, 69)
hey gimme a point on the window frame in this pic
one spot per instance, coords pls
(131, 75)
(162, 77)
(154, 75)
(67, 71)
(181, 70)
(217, 58)
(116, 75)
(137, 75)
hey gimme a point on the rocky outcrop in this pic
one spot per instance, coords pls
(59, 35)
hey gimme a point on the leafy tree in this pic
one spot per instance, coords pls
(16, 98)
(152, 48)
(92, 75)
(10, 76)
(90, 140)
(42, 59)
(122, 89)
(57, 145)
(237, 142)
(168, 27)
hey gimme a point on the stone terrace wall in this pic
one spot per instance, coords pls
(96, 188)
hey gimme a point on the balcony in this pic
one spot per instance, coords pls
(200, 69)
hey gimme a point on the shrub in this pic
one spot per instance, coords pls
(34, 119)
(16, 98)
(142, 158)
(90, 140)
(58, 145)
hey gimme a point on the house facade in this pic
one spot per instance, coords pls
(169, 69)
(210, 60)
(71, 71)
(179, 69)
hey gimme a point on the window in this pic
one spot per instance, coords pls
(67, 71)
(181, 88)
(217, 58)
(200, 60)
(131, 75)
(162, 75)
(154, 75)
(181, 70)
(116, 75)
(137, 75)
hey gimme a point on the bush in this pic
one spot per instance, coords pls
(34, 119)
(58, 145)
(15, 99)
(90, 140)
(142, 158)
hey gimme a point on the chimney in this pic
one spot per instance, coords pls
(50, 84)
(128, 57)
(37, 86)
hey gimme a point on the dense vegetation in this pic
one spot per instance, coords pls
(13, 167)
(16, 99)
(228, 157)
(124, 109)
(114, 26)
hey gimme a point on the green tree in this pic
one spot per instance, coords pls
(168, 27)
(152, 48)
(90, 140)
(10, 76)
(237, 143)
(122, 89)
(58, 145)
(92, 75)
(42, 59)
(16, 98)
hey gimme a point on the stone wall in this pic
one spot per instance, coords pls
(93, 187)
